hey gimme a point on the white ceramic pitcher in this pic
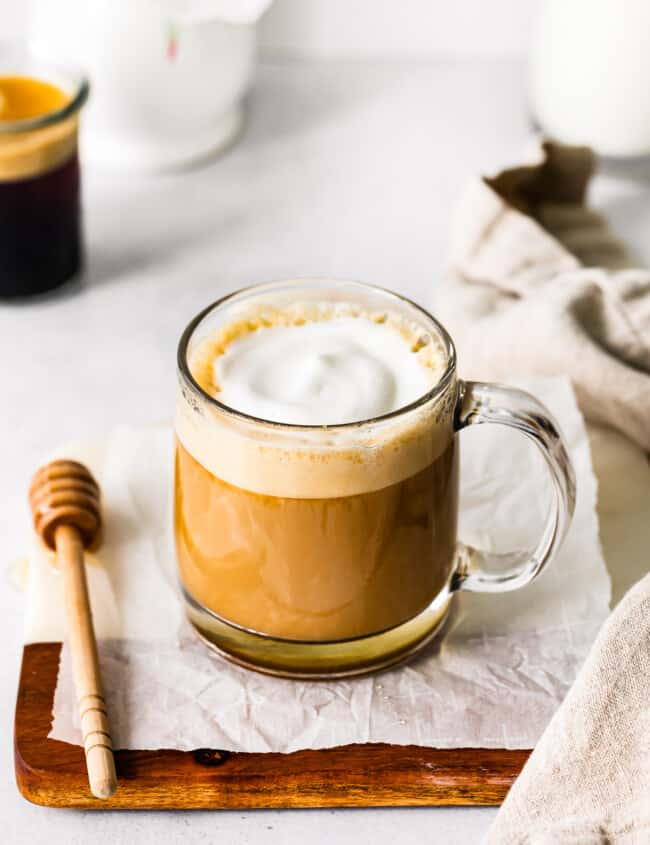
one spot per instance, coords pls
(167, 77)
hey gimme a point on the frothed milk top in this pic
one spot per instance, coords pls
(320, 373)
(315, 365)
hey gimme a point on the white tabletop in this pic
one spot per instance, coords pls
(346, 170)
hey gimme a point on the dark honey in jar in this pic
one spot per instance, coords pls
(40, 225)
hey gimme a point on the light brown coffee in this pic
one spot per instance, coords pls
(316, 533)
(316, 568)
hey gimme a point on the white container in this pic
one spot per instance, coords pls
(167, 78)
(590, 75)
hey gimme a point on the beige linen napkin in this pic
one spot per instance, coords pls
(538, 285)
(588, 780)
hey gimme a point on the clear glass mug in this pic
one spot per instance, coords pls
(326, 551)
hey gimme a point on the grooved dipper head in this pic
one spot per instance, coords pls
(65, 493)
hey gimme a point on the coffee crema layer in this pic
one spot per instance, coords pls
(319, 365)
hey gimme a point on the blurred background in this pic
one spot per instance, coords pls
(358, 28)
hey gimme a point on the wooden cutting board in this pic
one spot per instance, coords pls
(53, 773)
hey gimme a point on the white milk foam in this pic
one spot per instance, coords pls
(314, 366)
(320, 373)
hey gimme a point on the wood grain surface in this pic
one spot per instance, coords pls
(53, 773)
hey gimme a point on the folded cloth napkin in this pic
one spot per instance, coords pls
(588, 779)
(537, 284)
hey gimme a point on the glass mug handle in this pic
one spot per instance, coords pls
(485, 572)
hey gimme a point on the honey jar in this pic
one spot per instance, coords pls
(40, 210)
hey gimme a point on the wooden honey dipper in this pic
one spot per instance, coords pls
(64, 498)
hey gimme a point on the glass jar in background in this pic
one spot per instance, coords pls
(590, 74)
(40, 213)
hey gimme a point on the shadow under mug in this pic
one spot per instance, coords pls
(328, 551)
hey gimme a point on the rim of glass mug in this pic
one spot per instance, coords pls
(326, 284)
(17, 60)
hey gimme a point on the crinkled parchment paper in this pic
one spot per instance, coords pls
(493, 681)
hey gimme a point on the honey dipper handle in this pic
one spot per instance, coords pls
(87, 679)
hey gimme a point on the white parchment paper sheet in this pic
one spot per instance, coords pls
(493, 681)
